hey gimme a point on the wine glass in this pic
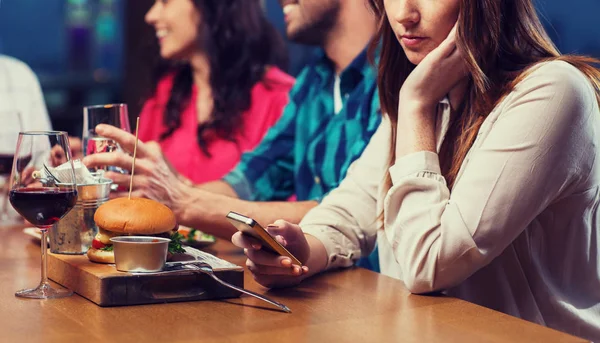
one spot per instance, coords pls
(39, 195)
(113, 114)
(12, 124)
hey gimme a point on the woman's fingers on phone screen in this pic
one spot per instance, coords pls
(245, 241)
(281, 240)
(260, 269)
(261, 257)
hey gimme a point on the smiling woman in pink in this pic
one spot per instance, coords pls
(218, 89)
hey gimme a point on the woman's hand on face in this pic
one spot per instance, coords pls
(434, 77)
(154, 177)
(269, 269)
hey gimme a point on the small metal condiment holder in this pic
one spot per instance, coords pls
(74, 233)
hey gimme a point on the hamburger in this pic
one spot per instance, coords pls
(132, 217)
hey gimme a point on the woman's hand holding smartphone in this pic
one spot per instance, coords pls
(272, 269)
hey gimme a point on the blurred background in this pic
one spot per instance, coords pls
(88, 52)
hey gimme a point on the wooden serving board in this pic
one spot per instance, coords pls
(105, 286)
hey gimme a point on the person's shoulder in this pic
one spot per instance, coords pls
(276, 80)
(165, 82)
(271, 93)
(17, 70)
(559, 70)
(317, 60)
(276, 75)
(14, 65)
(562, 89)
(561, 76)
(162, 91)
(273, 89)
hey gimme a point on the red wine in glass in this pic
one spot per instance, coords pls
(40, 200)
(43, 206)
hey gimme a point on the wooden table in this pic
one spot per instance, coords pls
(350, 306)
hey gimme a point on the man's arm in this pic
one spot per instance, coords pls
(195, 207)
(218, 187)
(206, 211)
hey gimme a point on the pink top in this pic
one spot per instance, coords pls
(269, 97)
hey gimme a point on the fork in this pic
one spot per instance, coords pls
(51, 177)
(207, 269)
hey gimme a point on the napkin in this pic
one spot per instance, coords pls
(62, 173)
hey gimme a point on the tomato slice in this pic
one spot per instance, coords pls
(96, 244)
(185, 232)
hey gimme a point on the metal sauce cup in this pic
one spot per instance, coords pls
(140, 254)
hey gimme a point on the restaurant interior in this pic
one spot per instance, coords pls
(96, 53)
(88, 52)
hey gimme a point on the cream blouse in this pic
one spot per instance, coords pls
(519, 232)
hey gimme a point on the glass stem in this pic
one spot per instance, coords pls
(44, 246)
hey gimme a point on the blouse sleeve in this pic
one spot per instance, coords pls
(346, 220)
(540, 147)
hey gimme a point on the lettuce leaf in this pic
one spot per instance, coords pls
(175, 243)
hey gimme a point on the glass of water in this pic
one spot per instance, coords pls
(112, 114)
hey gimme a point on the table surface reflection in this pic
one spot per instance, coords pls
(354, 305)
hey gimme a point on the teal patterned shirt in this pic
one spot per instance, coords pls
(308, 151)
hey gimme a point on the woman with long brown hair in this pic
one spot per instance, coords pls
(482, 180)
(218, 87)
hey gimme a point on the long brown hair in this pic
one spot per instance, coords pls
(500, 40)
(241, 44)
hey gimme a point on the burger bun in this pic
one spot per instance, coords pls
(135, 216)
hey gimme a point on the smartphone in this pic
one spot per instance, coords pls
(249, 226)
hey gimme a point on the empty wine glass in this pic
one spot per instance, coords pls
(40, 196)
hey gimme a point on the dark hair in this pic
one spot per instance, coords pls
(240, 44)
(501, 40)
